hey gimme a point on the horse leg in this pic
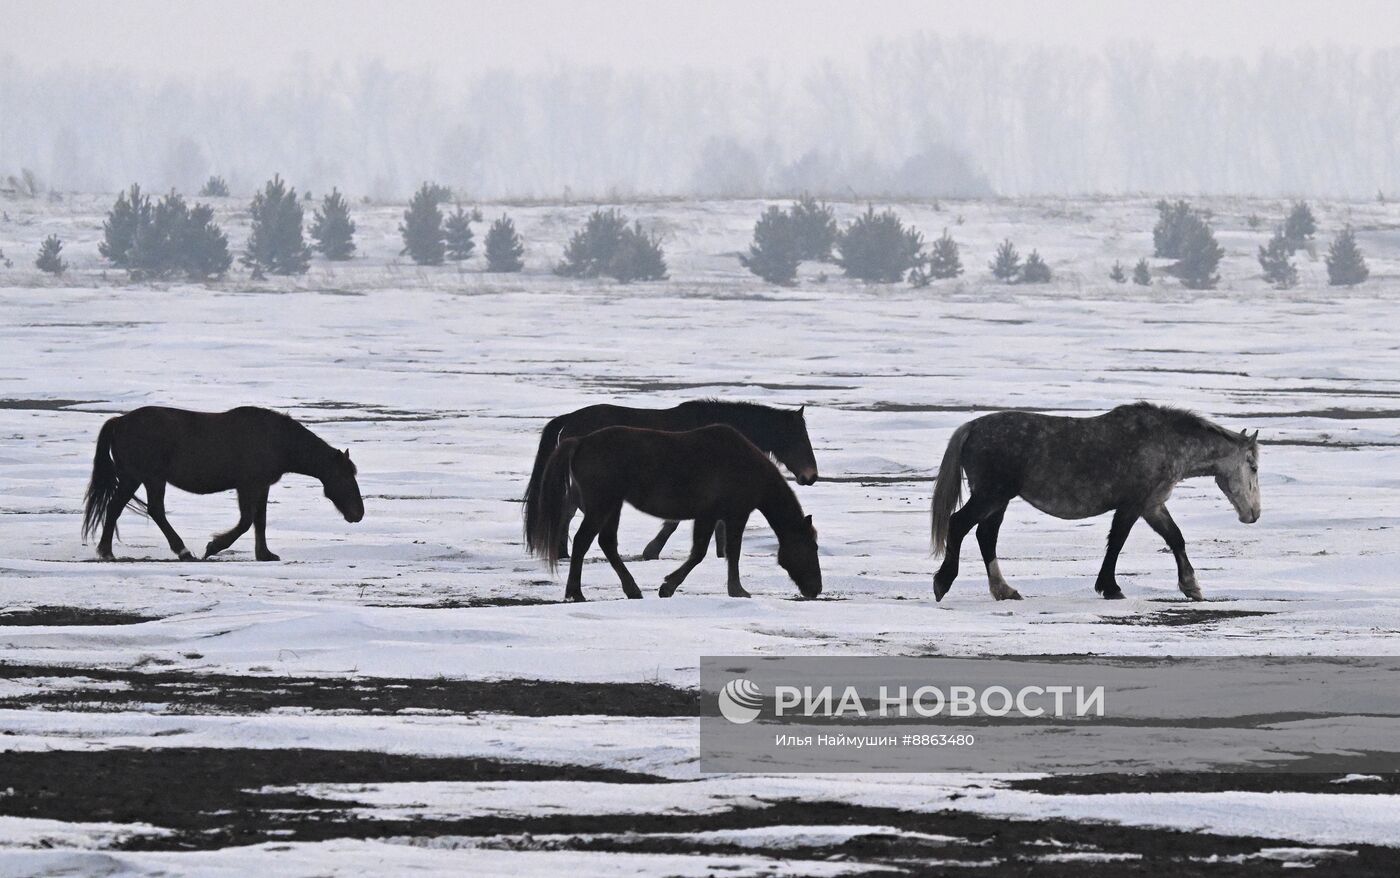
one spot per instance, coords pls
(1107, 584)
(720, 541)
(155, 507)
(125, 491)
(260, 549)
(987, 540)
(658, 542)
(607, 541)
(229, 537)
(733, 540)
(977, 507)
(587, 530)
(1160, 520)
(699, 544)
(571, 499)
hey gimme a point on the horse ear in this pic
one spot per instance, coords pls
(802, 411)
(346, 452)
(1255, 437)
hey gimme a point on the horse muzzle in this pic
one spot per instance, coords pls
(807, 477)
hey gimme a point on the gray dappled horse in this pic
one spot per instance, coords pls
(1126, 461)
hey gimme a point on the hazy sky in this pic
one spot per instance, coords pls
(206, 36)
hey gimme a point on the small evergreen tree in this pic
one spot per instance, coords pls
(214, 187)
(1142, 273)
(943, 261)
(814, 228)
(638, 256)
(423, 237)
(275, 242)
(1176, 223)
(1345, 265)
(503, 247)
(49, 259)
(1274, 260)
(1200, 256)
(128, 215)
(1006, 266)
(1254, 220)
(1117, 274)
(206, 253)
(878, 248)
(1299, 227)
(591, 248)
(332, 229)
(458, 234)
(774, 253)
(1035, 270)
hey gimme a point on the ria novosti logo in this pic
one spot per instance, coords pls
(740, 701)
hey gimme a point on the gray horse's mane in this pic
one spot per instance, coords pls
(1184, 419)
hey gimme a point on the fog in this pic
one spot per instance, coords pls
(911, 115)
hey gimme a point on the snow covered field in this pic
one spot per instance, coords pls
(439, 380)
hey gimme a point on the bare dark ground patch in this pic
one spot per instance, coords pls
(1179, 616)
(210, 799)
(185, 692)
(43, 405)
(47, 615)
(1200, 782)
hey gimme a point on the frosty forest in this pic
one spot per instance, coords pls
(375, 671)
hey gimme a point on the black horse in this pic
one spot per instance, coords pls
(712, 474)
(1126, 461)
(244, 449)
(778, 432)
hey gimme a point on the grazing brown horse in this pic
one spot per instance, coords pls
(1126, 461)
(712, 474)
(779, 432)
(244, 449)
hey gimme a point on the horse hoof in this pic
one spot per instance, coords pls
(268, 556)
(574, 598)
(940, 589)
(1114, 594)
(634, 595)
(739, 593)
(186, 556)
(1010, 594)
(105, 556)
(650, 554)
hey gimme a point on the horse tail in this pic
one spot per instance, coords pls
(549, 526)
(104, 485)
(947, 493)
(549, 441)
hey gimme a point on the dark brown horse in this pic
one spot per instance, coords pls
(712, 474)
(778, 432)
(245, 449)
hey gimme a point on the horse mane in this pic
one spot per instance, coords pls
(736, 404)
(1183, 420)
(312, 444)
(767, 426)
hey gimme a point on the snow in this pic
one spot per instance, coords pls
(438, 380)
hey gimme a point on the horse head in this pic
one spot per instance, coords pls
(797, 554)
(343, 489)
(795, 453)
(1237, 474)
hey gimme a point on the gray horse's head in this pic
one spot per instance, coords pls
(1237, 474)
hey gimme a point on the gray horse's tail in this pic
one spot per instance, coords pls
(947, 493)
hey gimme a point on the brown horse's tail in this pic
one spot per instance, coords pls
(549, 441)
(544, 509)
(104, 486)
(947, 493)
